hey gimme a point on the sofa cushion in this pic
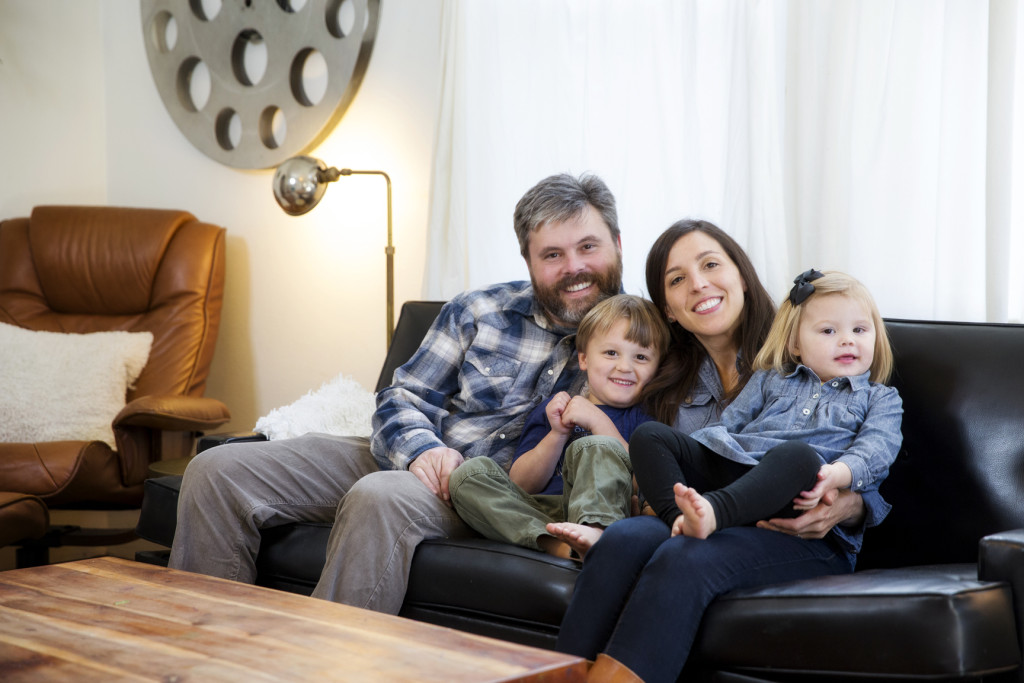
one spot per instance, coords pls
(929, 622)
(492, 579)
(477, 578)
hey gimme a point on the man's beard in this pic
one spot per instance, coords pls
(608, 283)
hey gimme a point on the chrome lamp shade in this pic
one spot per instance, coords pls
(299, 185)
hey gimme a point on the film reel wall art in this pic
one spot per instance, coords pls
(252, 83)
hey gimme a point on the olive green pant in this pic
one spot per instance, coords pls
(597, 487)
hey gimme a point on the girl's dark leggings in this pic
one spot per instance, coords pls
(739, 494)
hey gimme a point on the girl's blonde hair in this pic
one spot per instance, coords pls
(646, 326)
(775, 354)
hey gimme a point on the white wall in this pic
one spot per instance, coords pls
(82, 122)
(52, 146)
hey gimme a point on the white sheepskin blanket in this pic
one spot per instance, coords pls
(340, 406)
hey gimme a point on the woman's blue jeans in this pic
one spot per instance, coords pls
(641, 594)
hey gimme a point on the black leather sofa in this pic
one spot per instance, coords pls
(939, 590)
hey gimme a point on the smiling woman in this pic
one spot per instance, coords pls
(696, 264)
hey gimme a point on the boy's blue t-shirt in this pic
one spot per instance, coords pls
(537, 427)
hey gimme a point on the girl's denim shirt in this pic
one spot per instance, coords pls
(847, 419)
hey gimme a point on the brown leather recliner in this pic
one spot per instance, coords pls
(88, 269)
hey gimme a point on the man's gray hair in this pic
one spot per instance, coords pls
(560, 198)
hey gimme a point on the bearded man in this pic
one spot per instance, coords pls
(489, 358)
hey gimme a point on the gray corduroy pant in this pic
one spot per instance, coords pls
(231, 492)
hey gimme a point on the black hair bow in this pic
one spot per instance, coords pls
(802, 287)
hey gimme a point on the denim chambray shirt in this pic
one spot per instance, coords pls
(488, 359)
(703, 407)
(847, 419)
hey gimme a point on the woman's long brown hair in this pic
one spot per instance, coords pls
(677, 376)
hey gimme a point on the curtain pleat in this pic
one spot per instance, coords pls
(880, 137)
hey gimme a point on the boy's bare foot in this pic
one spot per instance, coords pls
(579, 537)
(554, 546)
(698, 518)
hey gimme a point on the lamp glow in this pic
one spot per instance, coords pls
(299, 185)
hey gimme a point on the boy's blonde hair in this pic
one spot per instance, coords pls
(775, 353)
(646, 326)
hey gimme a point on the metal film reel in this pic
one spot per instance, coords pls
(253, 82)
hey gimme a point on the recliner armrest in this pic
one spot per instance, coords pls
(170, 412)
(165, 414)
(1001, 558)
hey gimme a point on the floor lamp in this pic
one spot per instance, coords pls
(300, 183)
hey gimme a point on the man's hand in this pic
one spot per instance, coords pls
(848, 507)
(434, 467)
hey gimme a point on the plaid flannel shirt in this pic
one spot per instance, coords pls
(488, 359)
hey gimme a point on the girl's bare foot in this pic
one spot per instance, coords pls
(698, 518)
(579, 537)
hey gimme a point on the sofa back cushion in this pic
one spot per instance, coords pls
(414, 320)
(960, 472)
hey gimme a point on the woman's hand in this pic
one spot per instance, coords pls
(848, 508)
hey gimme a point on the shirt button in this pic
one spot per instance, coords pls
(487, 370)
(815, 396)
(501, 436)
(860, 483)
(807, 411)
(551, 372)
(835, 384)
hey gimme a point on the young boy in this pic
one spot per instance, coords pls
(620, 343)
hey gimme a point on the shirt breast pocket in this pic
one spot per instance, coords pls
(847, 415)
(489, 381)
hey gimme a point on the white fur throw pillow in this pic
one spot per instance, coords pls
(66, 387)
(341, 407)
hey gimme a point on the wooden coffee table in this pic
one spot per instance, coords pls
(111, 619)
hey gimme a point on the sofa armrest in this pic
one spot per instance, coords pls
(1001, 558)
(208, 441)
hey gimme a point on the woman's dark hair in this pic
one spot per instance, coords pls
(674, 383)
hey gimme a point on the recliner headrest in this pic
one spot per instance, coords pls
(110, 270)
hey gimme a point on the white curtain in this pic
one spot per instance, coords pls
(884, 138)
